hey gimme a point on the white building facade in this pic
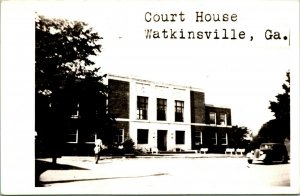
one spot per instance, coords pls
(157, 115)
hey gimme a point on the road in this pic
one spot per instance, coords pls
(165, 175)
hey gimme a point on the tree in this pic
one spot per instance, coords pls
(281, 109)
(63, 50)
(65, 77)
(237, 137)
(278, 129)
(271, 131)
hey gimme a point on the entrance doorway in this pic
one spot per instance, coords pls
(162, 140)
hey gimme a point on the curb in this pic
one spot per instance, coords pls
(165, 156)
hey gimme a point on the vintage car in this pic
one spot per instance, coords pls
(269, 152)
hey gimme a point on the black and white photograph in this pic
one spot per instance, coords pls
(150, 97)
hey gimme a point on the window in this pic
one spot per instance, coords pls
(179, 105)
(90, 138)
(142, 108)
(142, 136)
(75, 112)
(224, 138)
(223, 119)
(72, 136)
(179, 137)
(119, 136)
(214, 138)
(198, 137)
(212, 118)
(161, 109)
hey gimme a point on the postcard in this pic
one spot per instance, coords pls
(150, 97)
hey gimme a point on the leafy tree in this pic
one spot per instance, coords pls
(65, 76)
(278, 129)
(63, 50)
(281, 109)
(237, 137)
(271, 131)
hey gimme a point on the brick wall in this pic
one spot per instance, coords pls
(118, 98)
(124, 125)
(194, 129)
(218, 111)
(197, 107)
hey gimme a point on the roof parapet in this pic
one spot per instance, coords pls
(157, 83)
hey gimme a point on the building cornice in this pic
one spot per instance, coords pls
(217, 106)
(156, 83)
(171, 123)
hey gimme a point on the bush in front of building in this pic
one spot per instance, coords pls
(112, 151)
(128, 146)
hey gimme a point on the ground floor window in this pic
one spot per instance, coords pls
(142, 136)
(72, 136)
(179, 137)
(224, 138)
(119, 136)
(90, 138)
(198, 138)
(214, 138)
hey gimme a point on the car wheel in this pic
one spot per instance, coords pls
(284, 159)
(250, 161)
(267, 161)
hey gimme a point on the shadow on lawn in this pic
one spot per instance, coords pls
(42, 166)
(90, 179)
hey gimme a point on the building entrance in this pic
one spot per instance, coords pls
(162, 140)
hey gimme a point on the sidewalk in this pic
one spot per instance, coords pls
(164, 155)
(145, 171)
(88, 162)
(193, 155)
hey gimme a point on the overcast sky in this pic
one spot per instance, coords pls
(240, 74)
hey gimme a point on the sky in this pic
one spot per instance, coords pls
(240, 74)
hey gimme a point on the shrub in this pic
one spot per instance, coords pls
(128, 146)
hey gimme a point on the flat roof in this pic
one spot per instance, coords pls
(145, 81)
(217, 106)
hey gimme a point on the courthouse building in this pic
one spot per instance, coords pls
(166, 117)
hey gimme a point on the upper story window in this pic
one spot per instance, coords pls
(212, 118)
(142, 108)
(223, 120)
(75, 111)
(161, 109)
(179, 106)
